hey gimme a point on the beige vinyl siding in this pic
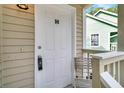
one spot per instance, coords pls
(79, 30)
(19, 28)
(18, 46)
(1, 40)
(16, 49)
(0, 78)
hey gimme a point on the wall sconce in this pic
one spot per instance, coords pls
(23, 6)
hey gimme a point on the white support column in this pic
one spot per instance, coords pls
(96, 73)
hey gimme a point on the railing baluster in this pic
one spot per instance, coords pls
(114, 70)
(119, 71)
(108, 68)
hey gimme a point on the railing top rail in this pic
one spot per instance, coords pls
(94, 50)
(108, 55)
(109, 81)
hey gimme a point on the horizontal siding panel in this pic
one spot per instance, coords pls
(18, 63)
(17, 56)
(1, 65)
(79, 35)
(79, 22)
(78, 18)
(19, 21)
(1, 69)
(13, 6)
(79, 43)
(18, 28)
(79, 54)
(79, 47)
(0, 75)
(79, 39)
(18, 42)
(18, 70)
(79, 30)
(8, 34)
(20, 83)
(16, 13)
(28, 86)
(79, 27)
(0, 85)
(18, 49)
(17, 77)
(79, 51)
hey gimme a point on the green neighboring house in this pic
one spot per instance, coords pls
(101, 30)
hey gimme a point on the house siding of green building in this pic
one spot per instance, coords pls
(102, 23)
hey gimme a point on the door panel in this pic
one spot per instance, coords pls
(50, 69)
(55, 39)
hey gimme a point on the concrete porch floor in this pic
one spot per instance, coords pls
(82, 83)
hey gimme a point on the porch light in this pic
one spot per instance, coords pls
(23, 6)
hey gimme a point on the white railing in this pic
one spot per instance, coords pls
(86, 55)
(108, 81)
(113, 46)
(112, 62)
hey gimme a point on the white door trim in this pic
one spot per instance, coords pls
(73, 27)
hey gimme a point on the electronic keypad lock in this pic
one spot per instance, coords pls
(40, 65)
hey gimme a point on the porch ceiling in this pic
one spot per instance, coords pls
(82, 5)
(85, 5)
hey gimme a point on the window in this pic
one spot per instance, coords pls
(94, 39)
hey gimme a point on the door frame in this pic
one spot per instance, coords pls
(73, 37)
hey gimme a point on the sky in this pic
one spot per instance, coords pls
(104, 6)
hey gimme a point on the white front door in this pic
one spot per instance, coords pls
(53, 43)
